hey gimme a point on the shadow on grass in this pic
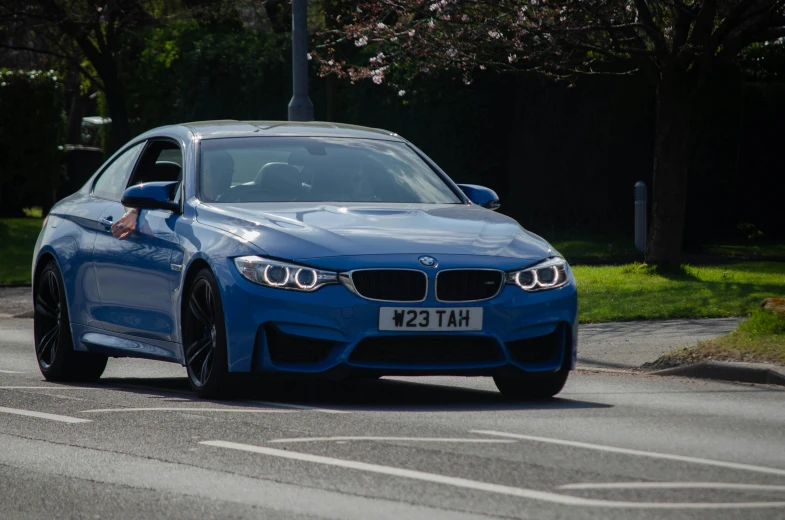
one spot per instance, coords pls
(350, 395)
(677, 273)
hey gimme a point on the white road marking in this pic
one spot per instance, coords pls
(640, 453)
(533, 494)
(42, 415)
(408, 439)
(298, 407)
(673, 485)
(182, 409)
(10, 372)
(52, 387)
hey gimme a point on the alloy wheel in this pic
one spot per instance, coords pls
(48, 315)
(202, 344)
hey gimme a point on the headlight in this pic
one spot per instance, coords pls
(549, 274)
(281, 275)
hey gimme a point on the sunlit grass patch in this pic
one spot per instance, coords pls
(17, 241)
(638, 291)
(760, 339)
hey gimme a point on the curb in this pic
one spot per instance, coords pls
(737, 372)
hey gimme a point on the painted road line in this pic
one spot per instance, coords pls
(181, 409)
(407, 439)
(298, 407)
(11, 372)
(639, 453)
(546, 496)
(52, 387)
(674, 485)
(42, 415)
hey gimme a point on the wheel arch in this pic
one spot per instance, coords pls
(43, 259)
(193, 269)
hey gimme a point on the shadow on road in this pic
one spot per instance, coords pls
(363, 395)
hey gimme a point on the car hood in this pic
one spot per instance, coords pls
(299, 231)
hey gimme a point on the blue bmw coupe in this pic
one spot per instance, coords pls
(297, 248)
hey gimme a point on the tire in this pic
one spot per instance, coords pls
(54, 346)
(204, 338)
(528, 387)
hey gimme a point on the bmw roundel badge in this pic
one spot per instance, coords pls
(428, 261)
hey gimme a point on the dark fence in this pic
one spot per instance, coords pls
(565, 158)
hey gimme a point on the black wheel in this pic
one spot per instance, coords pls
(204, 338)
(532, 386)
(54, 347)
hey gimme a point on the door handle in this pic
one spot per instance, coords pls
(106, 223)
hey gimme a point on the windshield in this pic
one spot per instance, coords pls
(317, 169)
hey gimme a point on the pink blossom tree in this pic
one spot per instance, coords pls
(677, 43)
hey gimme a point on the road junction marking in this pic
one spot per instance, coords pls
(42, 415)
(406, 439)
(533, 494)
(183, 409)
(640, 453)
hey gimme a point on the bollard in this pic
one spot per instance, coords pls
(641, 196)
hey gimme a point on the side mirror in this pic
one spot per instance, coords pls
(151, 195)
(481, 196)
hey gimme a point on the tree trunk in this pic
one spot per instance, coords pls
(671, 154)
(73, 129)
(115, 101)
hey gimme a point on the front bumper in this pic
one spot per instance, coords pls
(334, 331)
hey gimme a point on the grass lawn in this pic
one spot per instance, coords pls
(595, 249)
(635, 291)
(760, 339)
(17, 241)
(751, 251)
(616, 248)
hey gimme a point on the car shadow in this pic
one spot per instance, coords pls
(350, 395)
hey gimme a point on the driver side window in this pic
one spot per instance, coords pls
(111, 183)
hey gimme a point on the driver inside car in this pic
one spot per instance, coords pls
(216, 178)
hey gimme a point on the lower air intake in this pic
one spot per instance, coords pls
(288, 348)
(539, 349)
(433, 350)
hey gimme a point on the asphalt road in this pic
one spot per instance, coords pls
(613, 445)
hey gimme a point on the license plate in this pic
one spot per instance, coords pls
(402, 318)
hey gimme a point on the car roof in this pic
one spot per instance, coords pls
(232, 128)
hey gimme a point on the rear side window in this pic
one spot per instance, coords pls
(111, 184)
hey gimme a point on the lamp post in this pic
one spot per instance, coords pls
(300, 107)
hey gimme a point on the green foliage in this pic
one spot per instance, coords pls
(763, 323)
(17, 241)
(34, 212)
(190, 72)
(638, 292)
(31, 128)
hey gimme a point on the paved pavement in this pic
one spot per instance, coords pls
(630, 344)
(612, 446)
(15, 300)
